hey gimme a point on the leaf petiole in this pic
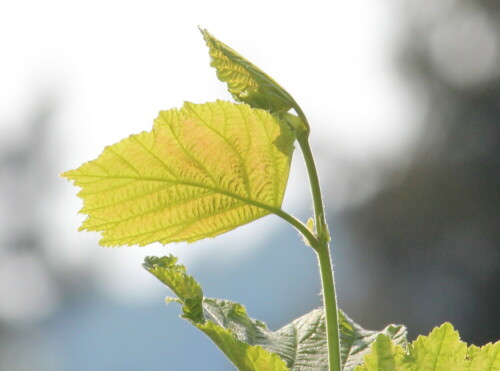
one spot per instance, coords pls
(301, 227)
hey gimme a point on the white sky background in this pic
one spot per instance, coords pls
(112, 65)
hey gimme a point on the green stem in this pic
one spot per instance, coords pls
(331, 310)
(309, 236)
(323, 252)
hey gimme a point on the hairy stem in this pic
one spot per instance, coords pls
(323, 251)
(310, 237)
(331, 311)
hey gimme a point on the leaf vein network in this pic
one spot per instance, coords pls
(231, 145)
(128, 163)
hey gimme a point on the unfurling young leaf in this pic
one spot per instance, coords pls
(203, 170)
(247, 82)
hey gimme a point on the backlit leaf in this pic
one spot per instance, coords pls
(203, 170)
(182, 285)
(485, 358)
(301, 344)
(247, 82)
(442, 350)
(385, 356)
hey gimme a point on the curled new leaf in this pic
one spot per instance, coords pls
(203, 170)
(247, 82)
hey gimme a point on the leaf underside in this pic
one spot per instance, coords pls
(246, 82)
(300, 345)
(203, 170)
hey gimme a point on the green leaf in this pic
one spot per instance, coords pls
(246, 82)
(486, 358)
(203, 170)
(301, 344)
(225, 323)
(183, 285)
(442, 350)
(355, 341)
(385, 356)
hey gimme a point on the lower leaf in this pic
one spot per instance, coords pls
(250, 345)
(442, 350)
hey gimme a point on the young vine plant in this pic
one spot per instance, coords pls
(205, 169)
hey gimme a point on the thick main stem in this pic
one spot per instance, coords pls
(323, 251)
(330, 303)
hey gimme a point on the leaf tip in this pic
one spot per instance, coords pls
(68, 175)
(202, 30)
(206, 35)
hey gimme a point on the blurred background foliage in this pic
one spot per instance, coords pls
(415, 232)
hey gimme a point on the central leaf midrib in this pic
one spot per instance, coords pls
(187, 222)
(270, 208)
(440, 347)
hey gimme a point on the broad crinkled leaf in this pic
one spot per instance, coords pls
(306, 336)
(244, 356)
(203, 170)
(301, 344)
(442, 350)
(246, 82)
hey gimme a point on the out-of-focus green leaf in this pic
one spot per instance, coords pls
(485, 358)
(442, 350)
(386, 356)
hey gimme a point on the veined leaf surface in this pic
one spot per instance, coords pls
(301, 344)
(247, 82)
(203, 170)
